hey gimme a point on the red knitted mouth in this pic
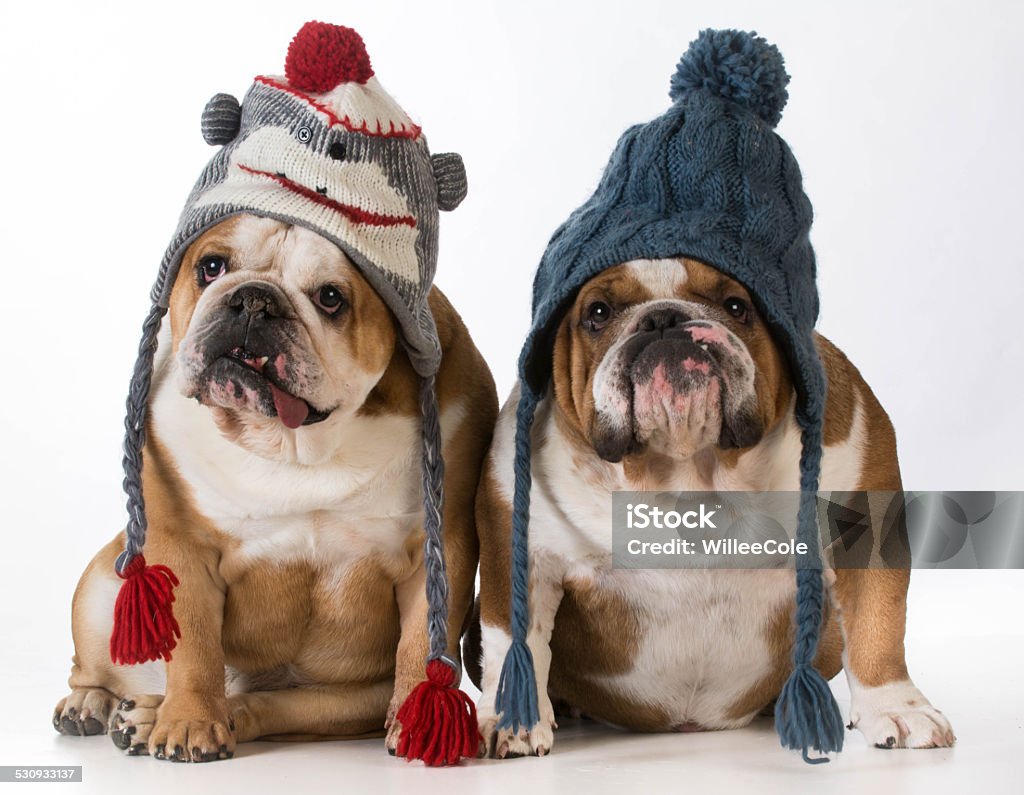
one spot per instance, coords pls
(356, 215)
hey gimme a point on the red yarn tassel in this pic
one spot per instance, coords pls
(144, 625)
(438, 720)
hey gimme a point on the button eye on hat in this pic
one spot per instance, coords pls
(324, 147)
(709, 180)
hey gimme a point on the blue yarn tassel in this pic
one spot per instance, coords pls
(516, 700)
(806, 713)
(807, 716)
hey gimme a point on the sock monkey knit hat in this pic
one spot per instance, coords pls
(326, 148)
(711, 180)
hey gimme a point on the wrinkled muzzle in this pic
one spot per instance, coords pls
(674, 384)
(250, 352)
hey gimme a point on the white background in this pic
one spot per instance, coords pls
(906, 120)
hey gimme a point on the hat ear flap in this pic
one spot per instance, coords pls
(222, 118)
(450, 174)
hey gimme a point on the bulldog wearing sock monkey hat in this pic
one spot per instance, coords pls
(296, 550)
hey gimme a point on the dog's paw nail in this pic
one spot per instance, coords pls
(502, 751)
(850, 725)
(161, 751)
(199, 755)
(68, 726)
(890, 742)
(136, 750)
(125, 705)
(179, 754)
(542, 751)
(120, 739)
(92, 726)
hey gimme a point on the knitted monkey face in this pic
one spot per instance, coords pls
(668, 357)
(274, 329)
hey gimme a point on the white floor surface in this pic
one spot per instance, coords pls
(978, 682)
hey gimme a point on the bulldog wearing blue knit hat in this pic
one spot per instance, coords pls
(673, 349)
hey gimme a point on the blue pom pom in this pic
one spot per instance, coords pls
(742, 67)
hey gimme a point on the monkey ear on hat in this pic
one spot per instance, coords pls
(222, 118)
(450, 174)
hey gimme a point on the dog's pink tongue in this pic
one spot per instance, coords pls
(292, 410)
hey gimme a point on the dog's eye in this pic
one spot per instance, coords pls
(337, 151)
(329, 298)
(738, 308)
(597, 316)
(211, 268)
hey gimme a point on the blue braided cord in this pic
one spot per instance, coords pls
(806, 713)
(516, 700)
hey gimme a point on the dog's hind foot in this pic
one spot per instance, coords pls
(85, 711)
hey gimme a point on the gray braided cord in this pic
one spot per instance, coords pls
(135, 438)
(433, 522)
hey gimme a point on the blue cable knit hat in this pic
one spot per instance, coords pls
(709, 180)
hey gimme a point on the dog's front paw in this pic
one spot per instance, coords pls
(152, 725)
(391, 724)
(506, 744)
(897, 715)
(131, 723)
(394, 733)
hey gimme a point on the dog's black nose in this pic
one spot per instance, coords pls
(663, 319)
(256, 299)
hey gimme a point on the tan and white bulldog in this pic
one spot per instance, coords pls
(665, 378)
(283, 485)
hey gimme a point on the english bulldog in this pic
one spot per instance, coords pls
(665, 378)
(283, 484)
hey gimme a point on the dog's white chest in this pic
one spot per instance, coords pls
(705, 640)
(363, 501)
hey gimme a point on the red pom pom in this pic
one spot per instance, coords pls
(144, 625)
(438, 720)
(323, 56)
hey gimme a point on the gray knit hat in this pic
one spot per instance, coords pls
(709, 179)
(323, 147)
